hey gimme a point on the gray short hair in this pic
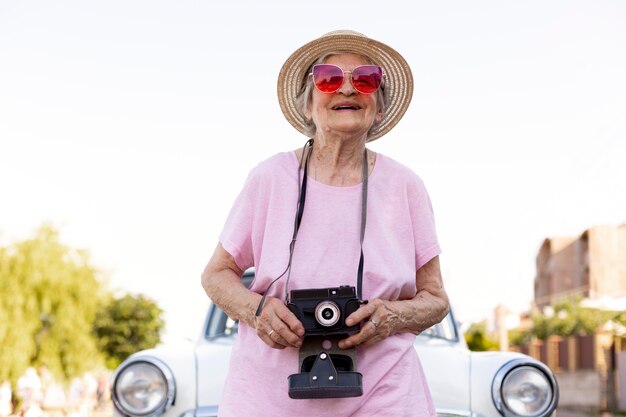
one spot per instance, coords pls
(303, 99)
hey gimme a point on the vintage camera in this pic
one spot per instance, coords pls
(323, 311)
(325, 371)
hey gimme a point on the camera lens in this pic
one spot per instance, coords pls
(327, 313)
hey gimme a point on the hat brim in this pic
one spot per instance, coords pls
(398, 76)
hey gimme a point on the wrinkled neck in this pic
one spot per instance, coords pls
(339, 163)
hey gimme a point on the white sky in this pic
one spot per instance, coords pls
(131, 125)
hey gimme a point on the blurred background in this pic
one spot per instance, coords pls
(127, 129)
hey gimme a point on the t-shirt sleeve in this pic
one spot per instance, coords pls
(236, 236)
(423, 218)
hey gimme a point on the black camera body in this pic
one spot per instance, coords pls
(323, 311)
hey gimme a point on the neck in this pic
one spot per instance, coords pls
(338, 161)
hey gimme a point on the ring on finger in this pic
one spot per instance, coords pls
(374, 322)
(270, 333)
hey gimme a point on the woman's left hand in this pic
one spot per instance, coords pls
(385, 318)
(380, 321)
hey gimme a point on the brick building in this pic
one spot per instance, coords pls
(591, 369)
(592, 265)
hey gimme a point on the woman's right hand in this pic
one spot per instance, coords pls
(277, 326)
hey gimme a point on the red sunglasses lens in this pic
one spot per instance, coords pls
(367, 78)
(327, 78)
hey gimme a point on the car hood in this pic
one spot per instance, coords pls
(212, 365)
(447, 369)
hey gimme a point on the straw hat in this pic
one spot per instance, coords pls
(398, 77)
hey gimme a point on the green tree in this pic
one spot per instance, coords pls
(126, 325)
(49, 295)
(477, 338)
(570, 317)
(519, 337)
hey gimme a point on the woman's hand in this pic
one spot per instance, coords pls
(277, 326)
(382, 322)
(385, 318)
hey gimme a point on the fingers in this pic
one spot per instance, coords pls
(292, 322)
(368, 335)
(277, 326)
(364, 312)
(273, 339)
(378, 323)
(269, 335)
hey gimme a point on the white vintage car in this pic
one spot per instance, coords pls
(177, 383)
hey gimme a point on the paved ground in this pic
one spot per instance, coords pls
(570, 413)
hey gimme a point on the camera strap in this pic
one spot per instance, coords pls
(359, 276)
(306, 150)
(302, 185)
(300, 212)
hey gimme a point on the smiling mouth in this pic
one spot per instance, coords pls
(346, 108)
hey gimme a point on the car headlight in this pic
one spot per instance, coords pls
(525, 388)
(143, 387)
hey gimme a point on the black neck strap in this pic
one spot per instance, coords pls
(359, 277)
(302, 193)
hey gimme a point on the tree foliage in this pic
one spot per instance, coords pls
(53, 308)
(49, 295)
(478, 339)
(570, 317)
(519, 337)
(127, 324)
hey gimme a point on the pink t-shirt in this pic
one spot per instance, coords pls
(400, 237)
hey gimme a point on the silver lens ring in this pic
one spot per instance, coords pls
(327, 313)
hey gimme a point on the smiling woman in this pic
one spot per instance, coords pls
(329, 78)
(337, 106)
(334, 316)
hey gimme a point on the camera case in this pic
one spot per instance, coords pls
(325, 370)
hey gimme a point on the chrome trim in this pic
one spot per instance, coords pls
(504, 370)
(205, 411)
(167, 374)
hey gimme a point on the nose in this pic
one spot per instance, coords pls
(347, 89)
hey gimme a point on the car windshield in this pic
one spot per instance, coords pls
(445, 330)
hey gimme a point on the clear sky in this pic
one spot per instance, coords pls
(131, 126)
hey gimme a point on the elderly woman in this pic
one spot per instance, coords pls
(328, 215)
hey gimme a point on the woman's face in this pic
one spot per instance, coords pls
(346, 111)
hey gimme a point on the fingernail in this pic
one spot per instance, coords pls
(348, 322)
(301, 332)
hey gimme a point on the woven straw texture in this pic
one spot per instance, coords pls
(398, 77)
